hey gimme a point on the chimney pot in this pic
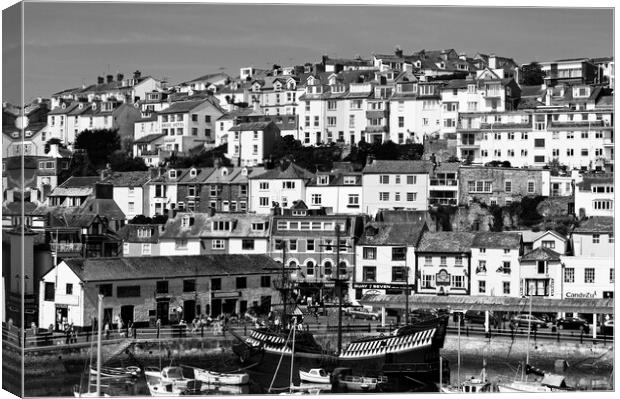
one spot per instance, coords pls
(100, 80)
(119, 77)
(110, 78)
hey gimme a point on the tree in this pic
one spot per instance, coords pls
(99, 145)
(532, 74)
(120, 161)
(141, 219)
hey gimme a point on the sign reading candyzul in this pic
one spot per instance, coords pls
(581, 295)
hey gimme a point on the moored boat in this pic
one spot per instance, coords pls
(216, 378)
(319, 376)
(168, 375)
(118, 372)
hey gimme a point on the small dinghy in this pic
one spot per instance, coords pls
(117, 372)
(216, 378)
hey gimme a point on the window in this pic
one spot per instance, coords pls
(354, 201)
(331, 121)
(482, 287)
(458, 261)
(370, 253)
(570, 135)
(482, 266)
(146, 249)
(50, 292)
(194, 131)
(128, 291)
(180, 243)
(288, 185)
(247, 244)
(603, 204)
(383, 196)
(369, 273)
(506, 286)
(569, 275)
(570, 152)
(596, 238)
(584, 152)
(161, 287)
(310, 245)
(411, 179)
(588, 274)
(207, 118)
(221, 225)
(216, 284)
(530, 187)
(458, 281)
(508, 186)
(411, 197)
(217, 244)
(612, 276)
(263, 185)
(428, 260)
(316, 199)
(399, 253)
(292, 245)
(428, 280)
(548, 244)
(539, 143)
(396, 197)
(265, 281)
(384, 179)
(401, 121)
(483, 250)
(263, 201)
(241, 283)
(611, 238)
(189, 285)
(105, 289)
(398, 274)
(443, 260)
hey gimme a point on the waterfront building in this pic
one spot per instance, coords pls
(146, 289)
(588, 277)
(540, 273)
(395, 185)
(594, 195)
(443, 263)
(594, 236)
(495, 263)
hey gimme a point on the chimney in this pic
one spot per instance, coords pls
(256, 106)
(492, 61)
(463, 56)
(100, 80)
(137, 74)
(398, 52)
(119, 77)
(324, 58)
(548, 97)
(109, 78)
(103, 190)
(53, 149)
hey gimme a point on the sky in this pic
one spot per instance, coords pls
(70, 44)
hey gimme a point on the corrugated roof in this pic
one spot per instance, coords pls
(497, 240)
(446, 241)
(385, 166)
(158, 267)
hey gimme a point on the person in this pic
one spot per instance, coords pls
(106, 328)
(119, 324)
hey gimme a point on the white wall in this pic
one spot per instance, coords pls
(494, 279)
(75, 303)
(579, 288)
(372, 187)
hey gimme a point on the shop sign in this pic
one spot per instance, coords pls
(380, 286)
(580, 294)
(442, 278)
(233, 294)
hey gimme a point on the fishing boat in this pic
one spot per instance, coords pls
(215, 378)
(118, 372)
(163, 389)
(473, 385)
(358, 383)
(319, 376)
(168, 375)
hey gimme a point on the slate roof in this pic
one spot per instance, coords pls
(402, 216)
(291, 172)
(202, 175)
(239, 113)
(208, 77)
(380, 233)
(149, 138)
(76, 186)
(129, 233)
(102, 206)
(30, 209)
(596, 224)
(181, 107)
(588, 181)
(497, 240)
(64, 218)
(404, 167)
(541, 253)
(158, 267)
(250, 126)
(128, 179)
(446, 241)
(202, 226)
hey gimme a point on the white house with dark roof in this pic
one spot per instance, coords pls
(395, 185)
(129, 191)
(540, 273)
(594, 195)
(161, 191)
(495, 263)
(594, 237)
(339, 191)
(282, 185)
(249, 144)
(443, 263)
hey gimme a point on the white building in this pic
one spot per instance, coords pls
(339, 191)
(250, 143)
(594, 195)
(395, 185)
(61, 298)
(588, 277)
(495, 263)
(161, 191)
(129, 191)
(594, 237)
(282, 185)
(540, 273)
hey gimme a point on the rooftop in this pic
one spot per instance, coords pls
(541, 253)
(404, 167)
(497, 240)
(201, 225)
(381, 233)
(596, 224)
(446, 241)
(128, 179)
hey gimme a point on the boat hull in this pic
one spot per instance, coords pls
(317, 379)
(212, 378)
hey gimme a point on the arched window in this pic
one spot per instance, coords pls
(328, 268)
(292, 264)
(343, 267)
(310, 268)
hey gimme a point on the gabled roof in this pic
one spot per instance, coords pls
(128, 179)
(60, 218)
(149, 138)
(102, 206)
(76, 186)
(157, 267)
(541, 253)
(497, 240)
(382, 233)
(446, 241)
(202, 175)
(596, 224)
(404, 167)
(589, 180)
(181, 107)
(290, 172)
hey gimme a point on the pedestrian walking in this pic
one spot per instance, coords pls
(106, 328)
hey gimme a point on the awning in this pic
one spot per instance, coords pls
(494, 303)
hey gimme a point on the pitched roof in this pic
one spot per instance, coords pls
(446, 241)
(402, 216)
(76, 186)
(202, 175)
(497, 240)
(382, 233)
(250, 126)
(149, 138)
(208, 77)
(384, 166)
(157, 267)
(541, 253)
(201, 226)
(128, 179)
(129, 233)
(291, 171)
(596, 224)
(104, 207)
(588, 181)
(80, 181)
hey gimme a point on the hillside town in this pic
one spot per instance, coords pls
(392, 182)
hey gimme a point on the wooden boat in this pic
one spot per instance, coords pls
(168, 375)
(549, 383)
(319, 376)
(118, 372)
(215, 378)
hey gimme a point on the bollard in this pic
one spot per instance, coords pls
(158, 327)
(558, 335)
(368, 327)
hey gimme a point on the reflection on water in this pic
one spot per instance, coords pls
(63, 382)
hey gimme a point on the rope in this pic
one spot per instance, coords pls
(279, 361)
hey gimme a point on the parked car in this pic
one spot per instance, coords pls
(523, 320)
(573, 323)
(363, 313)
(478, 317)
(422, 314)
(608, 327)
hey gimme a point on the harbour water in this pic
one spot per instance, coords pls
(584, 375)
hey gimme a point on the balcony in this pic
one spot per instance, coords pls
(578, 124)
(505, 125)
(376, 129)
(377, 113)
(444, 182)
(443, 201)
(503, 270)
(66, 248)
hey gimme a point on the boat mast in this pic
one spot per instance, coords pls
(458, 352)
(406, 289)
(339, 286)
(527, 348)
(99, 323)
(284, 281)
(292, 354)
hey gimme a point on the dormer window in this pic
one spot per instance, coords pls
(244, 171)
(221, 225)
(323, 180)
(258, 226)
(172, 174)
(193, 172)
(349, 180)
(471, 89)
(186, 221)
(581, 92)
(224, 172)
